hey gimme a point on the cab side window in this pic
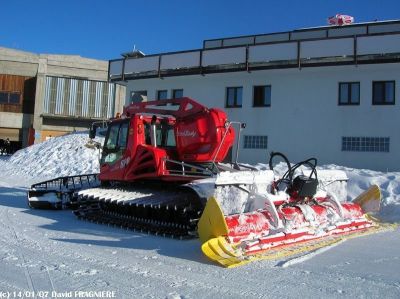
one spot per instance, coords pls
(165, 136)
(116, 143)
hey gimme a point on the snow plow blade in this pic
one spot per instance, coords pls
(227, 255)
(234, 240)
(369, 200)
(212, 223)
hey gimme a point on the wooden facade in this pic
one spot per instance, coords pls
(17, 94)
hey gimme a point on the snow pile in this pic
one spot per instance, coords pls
(362, 179)
(60, 156)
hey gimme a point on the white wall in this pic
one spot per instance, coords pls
(15, 120)
(304, 119)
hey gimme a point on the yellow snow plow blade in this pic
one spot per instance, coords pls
(369, 200)
(212, 222)
(230, 256)
(218, 250)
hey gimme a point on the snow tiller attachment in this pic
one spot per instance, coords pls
(299, 212)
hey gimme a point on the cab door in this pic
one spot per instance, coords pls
(114, 156)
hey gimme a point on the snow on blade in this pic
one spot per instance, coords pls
(388, 182)
(245, 177)
(232, 198)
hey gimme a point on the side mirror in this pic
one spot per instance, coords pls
(92, 132)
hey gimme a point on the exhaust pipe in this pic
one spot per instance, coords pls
(153, 131)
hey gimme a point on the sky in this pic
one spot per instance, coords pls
(104, 29)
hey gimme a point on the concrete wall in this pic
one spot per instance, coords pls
(304, 119)
(64, 66)
(120, 98)
(16, 62)
(73, 66)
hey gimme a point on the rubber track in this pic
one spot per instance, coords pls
(170, 212)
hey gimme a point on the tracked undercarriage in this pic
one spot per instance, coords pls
(171, 211)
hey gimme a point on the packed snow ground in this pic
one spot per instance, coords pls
(52, 251)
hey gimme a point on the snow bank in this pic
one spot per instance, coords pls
(389, 182)
(60, 156)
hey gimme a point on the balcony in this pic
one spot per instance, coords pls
(377, 42)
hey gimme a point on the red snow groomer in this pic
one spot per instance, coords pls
(293, 210)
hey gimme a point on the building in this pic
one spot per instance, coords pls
(45, 95)
(328, 92)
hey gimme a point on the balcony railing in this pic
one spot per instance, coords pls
(344, 45)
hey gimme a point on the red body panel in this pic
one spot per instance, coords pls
(199, 138)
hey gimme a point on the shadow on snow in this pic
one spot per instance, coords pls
(65, 221)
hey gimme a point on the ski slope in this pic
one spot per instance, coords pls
(46, 253)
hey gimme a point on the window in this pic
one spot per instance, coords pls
(112, 137)
(7, 97)
(177, 93)
(234, 97)
(349, 93)
(14, 98)
(138, 96)
(78, 98)
(3, 97)
(252, 141)
(383, 92)
(366, 144)
(116, 142)
(262, 96)
(162, 94)
(123, 134)
(165, 136)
